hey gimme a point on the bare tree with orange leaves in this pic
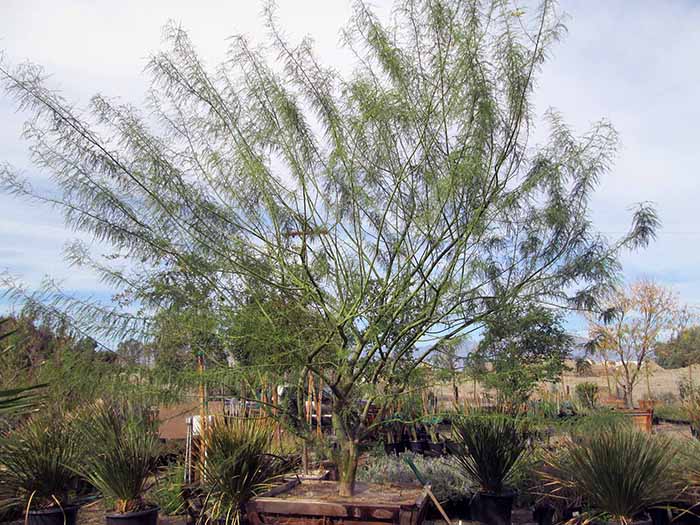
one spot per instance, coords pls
(635, 319)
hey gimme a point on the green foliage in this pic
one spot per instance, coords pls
(594, 421)
(167, 491)
(445, 478)
(583, 366)
(674, 411)
(619, 473)
(687, 390)
(16, 401)
(123, 448)
(38, 461)
(488, 449)
(587, 394)
(681, 350)
(403, 204)
(525, 346)
(239, 466)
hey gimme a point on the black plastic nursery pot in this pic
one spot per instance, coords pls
(661, 514)
(54, 516)
(457, 508)
(493, 509)
(416, 446)
(543, 514)
(435, 449)
(142, 517)
(391, 449)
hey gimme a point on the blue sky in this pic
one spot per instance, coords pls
(634, 63)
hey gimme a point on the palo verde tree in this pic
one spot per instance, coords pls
(403, 203)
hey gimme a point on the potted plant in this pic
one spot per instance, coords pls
(618, 472)
(239, 466)
(37, 467)
(122, 461)
(435, 447)
(488, 449)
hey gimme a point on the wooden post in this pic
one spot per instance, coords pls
(319, 407)
(309, 399)
(202, 414)
(275, 402)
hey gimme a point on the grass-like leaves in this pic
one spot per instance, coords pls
(37, 462)
(239, 466)
(618, 472)
(489, 448)
(124, 448)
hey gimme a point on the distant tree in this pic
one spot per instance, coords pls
(681, 350)
(635, 320)
(524, 345)
(583, 366)
(132, 352)
(448, 363)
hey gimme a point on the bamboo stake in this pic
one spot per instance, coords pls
(202, 414)
(319, 408)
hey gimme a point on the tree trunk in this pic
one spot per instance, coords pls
(347, 469)
(629, 399)
(349, 451)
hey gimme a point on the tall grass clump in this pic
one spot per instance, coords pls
(617, 472)
(123, 453)
(37, 464)
(239, 466)
(489, 448)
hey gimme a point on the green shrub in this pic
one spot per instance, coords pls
(686, 389)
(489, 448)
(167, 492)
(123, 454)
(239, 466)
(587, 394)
(38, 462)
(618, 472)
(598, 420)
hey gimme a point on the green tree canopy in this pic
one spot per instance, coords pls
(404, 203)
(525, 345)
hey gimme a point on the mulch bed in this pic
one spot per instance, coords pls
(364, 493)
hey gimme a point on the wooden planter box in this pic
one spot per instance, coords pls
(642, 419)
(317, 503)
(647, 404)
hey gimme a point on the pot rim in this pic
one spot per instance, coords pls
(508, 493)
(54, 510)
(134, 514)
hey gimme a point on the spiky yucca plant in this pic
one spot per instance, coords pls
(617, 472)
(489, 448)
(239, 466)
(123, 454)
(37, 464)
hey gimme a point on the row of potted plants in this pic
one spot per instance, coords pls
(47, 462)
(51, 463)
(609, 472)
